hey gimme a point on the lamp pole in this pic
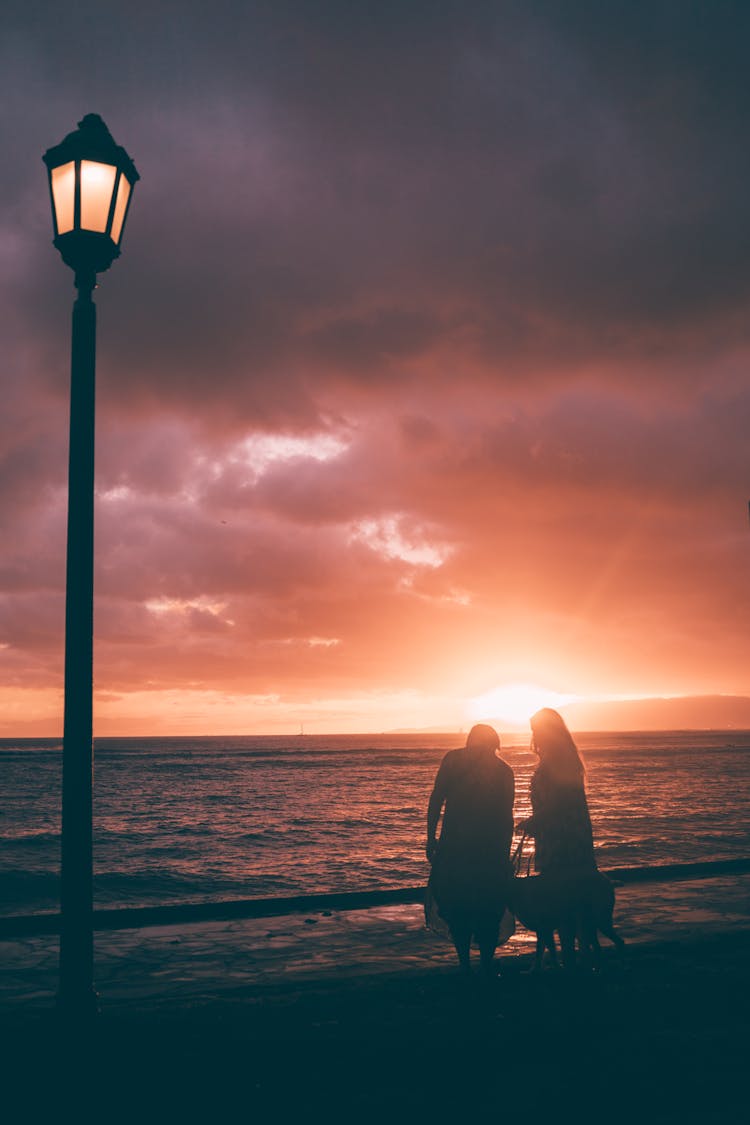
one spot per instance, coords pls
(91, 182)
(76, 990)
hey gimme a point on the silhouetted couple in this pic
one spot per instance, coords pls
(475, 790)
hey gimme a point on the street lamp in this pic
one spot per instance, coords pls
(91, 182)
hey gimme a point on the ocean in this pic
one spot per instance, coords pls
(209, 819)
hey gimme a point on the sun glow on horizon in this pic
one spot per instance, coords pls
(514, 704)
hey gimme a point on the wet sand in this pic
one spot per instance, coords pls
(363, 1016)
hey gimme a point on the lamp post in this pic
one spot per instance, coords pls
(91, 183)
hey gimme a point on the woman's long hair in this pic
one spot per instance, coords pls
(554, 745)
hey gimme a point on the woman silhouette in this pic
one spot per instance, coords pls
(564, 842)
(560, 821)
(470, 861)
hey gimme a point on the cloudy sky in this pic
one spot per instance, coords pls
(424, 371)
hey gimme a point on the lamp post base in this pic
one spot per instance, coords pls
(78, 1006)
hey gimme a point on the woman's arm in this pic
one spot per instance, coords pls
(433, 816)
(434, 808)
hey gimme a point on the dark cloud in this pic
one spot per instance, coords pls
(317, 193)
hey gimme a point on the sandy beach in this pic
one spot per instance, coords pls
(363, 1013)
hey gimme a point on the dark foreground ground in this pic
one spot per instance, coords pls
(665, 1039)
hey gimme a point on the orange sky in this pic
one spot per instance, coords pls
(423, 373)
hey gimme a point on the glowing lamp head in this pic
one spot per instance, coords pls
(91, 182)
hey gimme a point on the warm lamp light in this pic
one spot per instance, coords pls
(91, 182)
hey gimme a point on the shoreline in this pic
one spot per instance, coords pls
(136, 917)
(196, 960)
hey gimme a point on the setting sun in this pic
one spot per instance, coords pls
(514, 704)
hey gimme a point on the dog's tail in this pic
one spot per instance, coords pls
(603, 910)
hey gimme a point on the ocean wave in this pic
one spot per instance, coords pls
(20, 838)
(118, 888)
(30, 745)
(23, 891)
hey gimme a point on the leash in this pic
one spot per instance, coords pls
(518, 857)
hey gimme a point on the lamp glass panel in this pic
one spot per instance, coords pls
(123, 194)
(63, 194)
(97, 185)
